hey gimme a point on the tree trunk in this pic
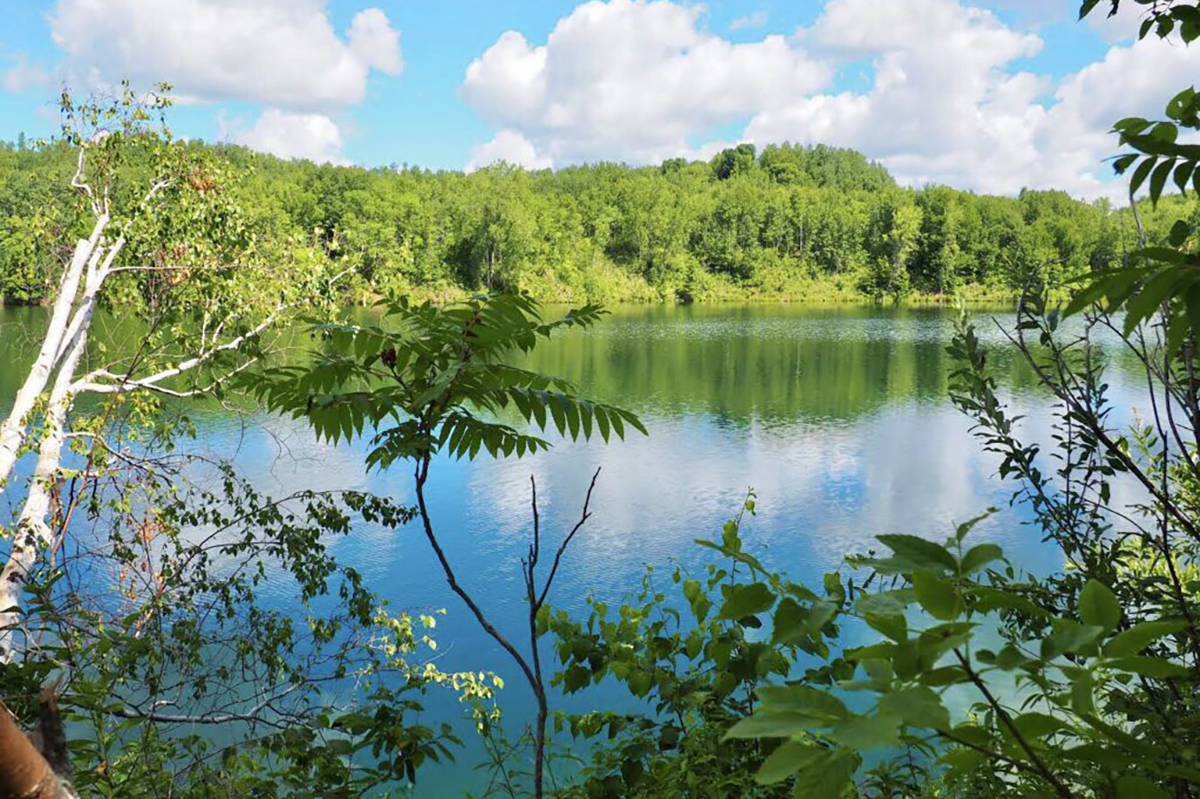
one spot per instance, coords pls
(24, 773)
(12, 429)
(33, 530)
(539, 746)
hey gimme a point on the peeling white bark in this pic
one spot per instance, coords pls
(13, 428)
(33, 528)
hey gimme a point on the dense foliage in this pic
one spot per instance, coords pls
(787, 223)
(149, 635)
(983, 680)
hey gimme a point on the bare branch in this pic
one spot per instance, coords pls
(126, 385)
(124, 382)
(253, 715)
(587, 514)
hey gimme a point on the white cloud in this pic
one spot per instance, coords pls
(314, 137)
(283, 53)
(755, 20)
(1128, 82)
(942, 105)
(1034, 12)
(947, 102)
(376, 42)
(947, 106)
(1120, 27)
(509, 146)
(631, 80)
(23, 74)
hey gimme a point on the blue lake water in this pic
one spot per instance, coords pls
(838, 419)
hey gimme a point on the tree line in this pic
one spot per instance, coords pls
(790, 223)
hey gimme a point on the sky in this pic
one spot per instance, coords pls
(988, 95)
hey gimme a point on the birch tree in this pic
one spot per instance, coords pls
(169, 248)
(159, 633)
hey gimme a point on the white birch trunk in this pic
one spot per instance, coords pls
(33, 528)
(12, 429)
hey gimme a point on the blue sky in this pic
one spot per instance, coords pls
(992, 96)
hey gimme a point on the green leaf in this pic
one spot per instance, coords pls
(963, 529)
(819, 614)
(1082, 691)
(1069, 636)
(979, 556)
(867, 732)
(1131, 125)
(919, 552)
(885, 603)
(341, 747)
(936, 595)
(788, 758)
(802, 699)
(883, 651)
(1038, 725)
(1123, 163)
(577, 678)
(918, 707)
(943, 676)
(894, 626)
(1135, 786)
(1153, 294)
(747, 600)
(1098, 606)
(772, 724)
(826, 777)
(1192, 306)
(1164, 254)
(790, 620)
(1090, 295)
(963, 760)
(1140, 174)
(1165, 132)
(1179, 233)
(1156, 668)
(1140, 636)
(1183, 174)
(1010, 658)
(697, 599)
(1159, 179)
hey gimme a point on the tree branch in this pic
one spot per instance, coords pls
(567, 541)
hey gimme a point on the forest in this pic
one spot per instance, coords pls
(790, 223)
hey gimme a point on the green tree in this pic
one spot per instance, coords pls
(891, 244)
(732, 161)
(431, 382)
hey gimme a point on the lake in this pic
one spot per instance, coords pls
(837, 417)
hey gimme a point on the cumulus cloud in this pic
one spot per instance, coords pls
(23, 74)
(947, 106)
(1128, 82)
(942, 106)
(376, 42)
(282, 53)
(631, 80)
(314, 137)
(947, 99)
(508, 146)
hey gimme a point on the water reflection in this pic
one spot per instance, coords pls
(837, 417)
